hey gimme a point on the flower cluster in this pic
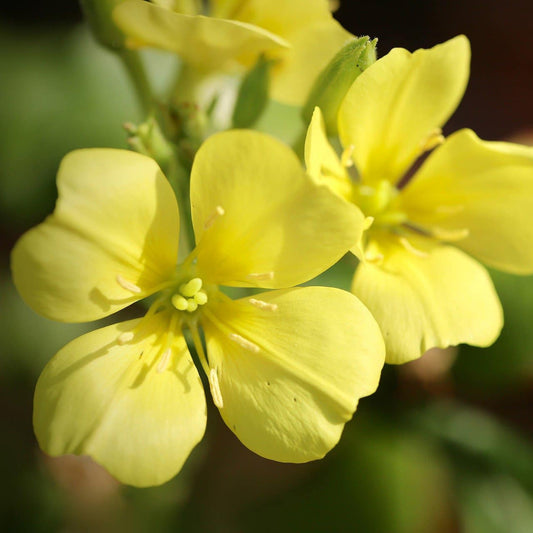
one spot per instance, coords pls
(285, 366)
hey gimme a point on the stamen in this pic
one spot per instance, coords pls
(346, 157)
(215, 388)
(245, 343)
(410, 248)
(163, 362)
(127, 285)
(261, 276)
(432, 140)
(219, 211)
(125, 337)
(263, 305)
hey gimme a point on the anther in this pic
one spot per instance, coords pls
(127, 285)
(261, 276)
(374, 258)
(219, 211)
(432, 140)
(245, 343)
(410, 248)
(214, 386)
(450, 209)
(346, 157)
(263, 305)
(125, 337)
(163, 362)
(190, 288)
(450, 235)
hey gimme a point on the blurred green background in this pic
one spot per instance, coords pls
(444, 446)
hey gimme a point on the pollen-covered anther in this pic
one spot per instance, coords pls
(125, 337)
(432, 140)
(346, 157)
(245, 343)
(214, 386)
(261, 276)
(127, 285)
(265, 306)
(163, 362)
(410, 248)
(218, 212)
(450, 235)
(374, 258)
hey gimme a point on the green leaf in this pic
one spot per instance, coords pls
(253, 94)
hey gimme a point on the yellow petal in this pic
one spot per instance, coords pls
(287, 370)
(485, 188)
(278, 227)
(427, 295)
(205, 42)
(312, 47)
(277, 16)
(115, 403)
(321, 160)
(394, 106)
(116, 216)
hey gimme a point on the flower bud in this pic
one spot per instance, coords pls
(334, 81)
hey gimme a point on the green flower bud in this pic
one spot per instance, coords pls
(334, 81)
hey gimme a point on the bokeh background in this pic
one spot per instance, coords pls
(446, 443)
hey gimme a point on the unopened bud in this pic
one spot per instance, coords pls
(337, 77)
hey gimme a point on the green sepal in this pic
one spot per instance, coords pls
(337, 77)
(253, 94)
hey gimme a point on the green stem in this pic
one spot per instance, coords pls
(137, 73)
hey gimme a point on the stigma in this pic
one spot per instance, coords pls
(189, 296)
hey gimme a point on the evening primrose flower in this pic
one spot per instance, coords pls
(301, 36)
(468, 196)
(283, 368)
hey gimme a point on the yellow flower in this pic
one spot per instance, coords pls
(468, 196)
(284, 370)
(301, 35)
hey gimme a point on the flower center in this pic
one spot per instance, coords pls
(380, 202)
(189, 296)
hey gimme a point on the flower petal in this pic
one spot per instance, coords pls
(428, 295)
(205, 42)
(321, 160)
(394, 106)
(289, 372)
(110, 401)
(312, 47)
(116, 216)
(279, 228)
(483, 187)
